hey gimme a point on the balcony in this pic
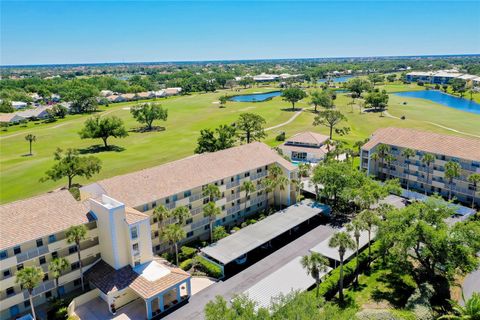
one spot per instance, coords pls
(200, 223)
(196, 211)
(233, 209)
(232, 184)
(196, 197)
(258, 175)
(233, 197)
(32, 253)
(43, 287)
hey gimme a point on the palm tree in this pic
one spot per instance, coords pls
(248, 187)
(282, 183)
(389, 159)
(162, 214)
(212, 191)
(452, 170)
(342, 241)
(474, 179)
(407, 154)
(471, 310)
(211, 211)
(174, 233)
(356, 227)
(269, 185)
(315, 264)
(383, 151)
(75, 234)
(375, 157)
(181, 214)
(303, 170)
(30, 138)
(369, 220)
(29, 278)
(428, 159)
(56, 267)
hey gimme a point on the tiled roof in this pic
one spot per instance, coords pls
(319, 152)
(133, 216)
(38, 217)
(309, 137)
(107, 279)
(453, 146)
(141, 187)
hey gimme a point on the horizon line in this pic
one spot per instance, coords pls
(232, 60)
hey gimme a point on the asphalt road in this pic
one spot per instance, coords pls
(471, 284)
(243, 280)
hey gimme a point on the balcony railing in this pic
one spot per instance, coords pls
(43, 287)
(258, 175)
(233, 197)
(233, 209)
(32, 253)
(196, 197)
(232, 184)
(200, 223)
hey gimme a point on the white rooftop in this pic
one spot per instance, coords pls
(152, 271)
(289, 278)
(253, 236)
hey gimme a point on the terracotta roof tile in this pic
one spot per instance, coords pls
(309, 137)
(133, 216)
(454, 146)
(38, 217)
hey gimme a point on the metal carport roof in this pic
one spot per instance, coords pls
(290, 277)
(253, 236)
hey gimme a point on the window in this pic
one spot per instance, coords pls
(54, 254)
(207, 227)
(75, 265)
(14, 311)
(155, 234)
(231, 179)
(76, 282)
(45, 276)
(42, 260)
(154, 204)
(134, 232)
(3, 254)
(17, 250)
(48, 294)
(10, 291)
(137, 263)
(6, 273)
(187, 194)
(223, 208)
(20, 267)
(222, 182)
(72, 249)
(145, 207)
(205, 200)
(247, 174)
(188, 221)
(259, 170)
(135, 247)
(167, 200)
(189, 234)
(39, 243)
(157, 248)
(174, 198)
(52, 238)
(26, 304)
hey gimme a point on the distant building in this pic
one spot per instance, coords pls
(35, 97)
(266, 77)
(116, 98)
(172, 91)
(10, 118)
(441, 77)
(106, 93)
(55, 97)
(306, 147)
(36, 113)
(19, 105)
(420, 176)
(129, 96)
(146, 95)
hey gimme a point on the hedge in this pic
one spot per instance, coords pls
(186, 253)
(186, 264)
(329, 287)
(209, 268)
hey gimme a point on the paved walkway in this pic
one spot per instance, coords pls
(248, 277)
(97, 309)
(471, 284)
(289, 120)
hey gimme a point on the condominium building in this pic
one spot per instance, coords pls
(422, 176)
(442, 77)
(117, 255)
(306, 147)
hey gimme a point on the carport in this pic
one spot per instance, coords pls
(289, 278)
(332, 253)
(253, 236)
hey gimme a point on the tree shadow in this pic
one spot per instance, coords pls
(97, 148)
(145, 129)
(27, 155)
(397, 293)
(291, 110)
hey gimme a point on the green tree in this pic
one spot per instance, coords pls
(378, 100)
(56, 267)
(474, 179)
(146, 113)
(392, 77)
(375, 157)
(356, 226)
(389, 159)
(59, 111)
(250, 127)
(223, 137)
(162, 214)
(369, 220)
(315, 264)
(248, 187)
(293, 95)
(452, 171)
(343, 242)
(30, 138)
(174, 233)
(282, 184)
(219, 233)
(211, 211)
(458, 85)
(470, 311)
(383, 151)
(223, 100)
(70, 165)
(29, 278)
(321, 98)
(82, 96)
(103, 128)
(407, 154)
(330, 119)
(375, 78)
(76, 234)
(181, 215)
(358, 85)
(212, 192)
(428, 159)
(6, 106)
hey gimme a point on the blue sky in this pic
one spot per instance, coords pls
(52, 32)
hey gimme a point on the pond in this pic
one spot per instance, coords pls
(337, 79)
(443, 99)
(256, 97)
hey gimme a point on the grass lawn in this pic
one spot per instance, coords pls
(187, 115)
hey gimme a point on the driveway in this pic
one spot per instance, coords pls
(471, 284)
(248, 277)
(97, 309)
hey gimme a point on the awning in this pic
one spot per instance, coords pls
(253, 236)
(291, 277)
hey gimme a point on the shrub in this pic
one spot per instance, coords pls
(186, 265)
(75, 191)
(420, 83)
(281, 136)
(209, 268)
(186, 253)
